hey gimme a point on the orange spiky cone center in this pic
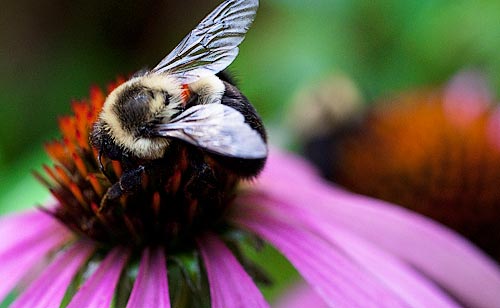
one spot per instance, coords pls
(410, 153)
(150, 215)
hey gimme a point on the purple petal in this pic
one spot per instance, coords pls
(281, 164)
(19, 227)
(12, 221)
(335, 277)
(49, 288)
(300, 296)
(151, 286)
(397, 276)
(467, 97)
(26, 245)
(441, 254)
(99, 289)
(230, 285)
(409, 284)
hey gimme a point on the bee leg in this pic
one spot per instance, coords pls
(201, 186)
(202, 180)
(129, 181)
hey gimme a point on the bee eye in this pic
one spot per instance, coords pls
(142, 96)
(146, 130)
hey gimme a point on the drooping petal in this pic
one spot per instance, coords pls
(19, 227)
(13, 221)
(397, 276)
(281, 164)
(451, 261)
(24, 246)
(230, 285)
(335, 277)
(99, 289)
(49, 288)
(299, 296)
(441, 254)
(151, 285)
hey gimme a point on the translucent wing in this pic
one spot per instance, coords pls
(213, 44)
(216, 128)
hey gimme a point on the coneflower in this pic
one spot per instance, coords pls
(146, 252)
(433, 151)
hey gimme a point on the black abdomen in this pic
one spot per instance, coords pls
(245, 168)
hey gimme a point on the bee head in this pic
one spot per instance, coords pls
(129, 113)
(102, 140)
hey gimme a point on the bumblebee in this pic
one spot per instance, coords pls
(186, 115)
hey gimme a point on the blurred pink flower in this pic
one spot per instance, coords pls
(434, 151)
(467, 96)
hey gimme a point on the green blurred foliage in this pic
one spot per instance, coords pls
(282, 274)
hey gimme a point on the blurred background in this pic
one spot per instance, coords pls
(52, 52)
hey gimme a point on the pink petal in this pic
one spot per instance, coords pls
(287, 163)
(151, 285)
(397, 276)
(99, 289)
(339, 281)
(230, 285)
(23, 247)
(49, 288)
(12, 221)
(441, 254)
(284, 166)
(402, 279)
(18, 227)
(467, 97)
(300, 296)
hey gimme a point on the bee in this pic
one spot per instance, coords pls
(186, 115)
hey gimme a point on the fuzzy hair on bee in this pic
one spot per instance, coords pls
(186, 109)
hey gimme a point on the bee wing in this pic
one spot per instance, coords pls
(213, 44)
(216, 128)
